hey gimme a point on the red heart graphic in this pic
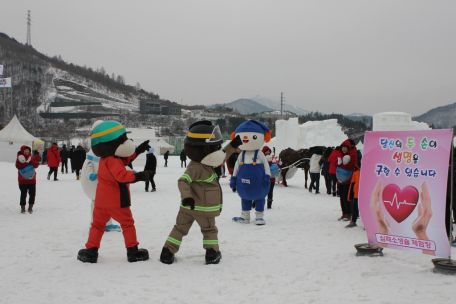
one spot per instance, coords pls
(400, 204)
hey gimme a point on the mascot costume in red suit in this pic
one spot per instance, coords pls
(112, 199)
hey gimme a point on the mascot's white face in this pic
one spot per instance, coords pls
(126, 149)
(251, 140)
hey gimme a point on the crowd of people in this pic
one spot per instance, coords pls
(333, 164)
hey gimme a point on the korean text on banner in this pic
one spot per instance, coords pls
(1, 69)
(5, 82)
(403, 186)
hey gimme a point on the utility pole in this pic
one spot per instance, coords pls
(281, 105)
(29, 34)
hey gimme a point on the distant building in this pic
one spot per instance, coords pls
(149, 107)
(170, 111)
(200, 114)
(276, 114)
(397, 121)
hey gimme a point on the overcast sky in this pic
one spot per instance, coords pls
(339, 56)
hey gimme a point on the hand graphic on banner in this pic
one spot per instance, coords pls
(377, 211)
(419, 225)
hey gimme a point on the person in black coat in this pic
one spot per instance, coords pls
(151, 165)
(64, 158)
(70, 155)
(165, 156)
(325, 169)
(183, 158)
(79, 156)
(44, 157)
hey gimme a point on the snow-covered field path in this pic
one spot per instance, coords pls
(302, 254)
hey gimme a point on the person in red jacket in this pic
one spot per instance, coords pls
(53, 157)
(112, 198)
(26, 165)
(37, 156)
(332, 159)
(353, 192)
(346, 159)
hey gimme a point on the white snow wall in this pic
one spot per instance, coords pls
(289, 134)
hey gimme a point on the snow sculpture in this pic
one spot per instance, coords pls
(397, 121)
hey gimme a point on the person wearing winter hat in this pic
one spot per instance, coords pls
(151, 165)
(271, 161)
(53, 156)
(251, 174)
(346, 162)
(26, 164)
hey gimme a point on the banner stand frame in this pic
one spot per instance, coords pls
(448, 266)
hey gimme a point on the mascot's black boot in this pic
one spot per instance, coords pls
(135, 255)
(88, 255)
(166, 257)
(212, 256)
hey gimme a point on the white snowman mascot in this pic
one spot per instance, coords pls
(89, 182)
(251, 174)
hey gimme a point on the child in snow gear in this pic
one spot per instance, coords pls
(251, 175)
(37, 156)
(112, 198)
(26, 165)
(201, 194)
(151, 165)
(272, 164)
(53, 156)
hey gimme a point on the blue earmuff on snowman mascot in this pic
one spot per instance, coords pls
(251, 174)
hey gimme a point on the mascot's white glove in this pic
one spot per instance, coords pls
(21, 158)
(269, 158)
(346, 159)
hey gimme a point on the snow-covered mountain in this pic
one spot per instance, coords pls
(440, 117)
(246, 106)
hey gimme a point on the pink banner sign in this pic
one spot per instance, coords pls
(403, 186)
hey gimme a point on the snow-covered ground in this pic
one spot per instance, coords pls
(302, 255)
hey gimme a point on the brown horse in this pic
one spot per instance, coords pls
(290, 158)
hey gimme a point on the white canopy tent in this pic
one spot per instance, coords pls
(12, 137)
(158, 143)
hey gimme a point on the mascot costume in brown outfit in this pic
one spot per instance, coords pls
(201, 195)
(112, 198)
